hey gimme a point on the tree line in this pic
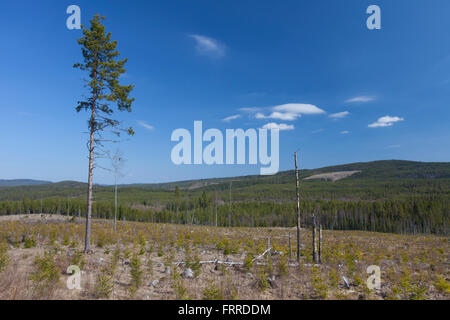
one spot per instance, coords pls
(422, 214)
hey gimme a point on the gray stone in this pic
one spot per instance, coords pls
(271, 280)
(188, 274)
(167, 271)
(154, 283)
(346, 283)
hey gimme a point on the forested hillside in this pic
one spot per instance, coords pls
(387, 196)
(21, 182)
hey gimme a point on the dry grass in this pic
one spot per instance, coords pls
(412, 267)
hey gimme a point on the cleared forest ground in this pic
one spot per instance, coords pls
(149, 261)
(333, 176)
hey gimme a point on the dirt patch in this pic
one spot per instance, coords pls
(333, 176)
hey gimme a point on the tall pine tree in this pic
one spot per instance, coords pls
(100, 61)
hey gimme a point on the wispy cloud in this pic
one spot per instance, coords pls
(345, 132)
(208, 46)
(279, 126)
(385, 121)
(361, 99)
(25, 114)
(339, 115)
(393, 146)
(251, 109)
(318, 131)
(228, 119)
(146, 125)
(285, 112)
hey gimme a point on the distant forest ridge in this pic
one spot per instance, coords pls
(21, 182)
(386, 196)
(390, 169)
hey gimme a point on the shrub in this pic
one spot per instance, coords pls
(136, 274)
(78, 259)
(320, 288)
(248, 262)
(351, 265)
(442, 285)
(194, 264)
(101, 240)
(263, 283)
(66, 240)
(4, 258)
(160, 251)
(180, 290)
(150, 267)
(282, 266)
(333, 277)
(127, 253)
(212, 292)
(418, 292)
(357, 280)
(114, 260)
(141, 239)
(227, 248)
(103, 286)
(46, 274)
(29, 243)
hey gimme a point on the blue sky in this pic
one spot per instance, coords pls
(384, 93)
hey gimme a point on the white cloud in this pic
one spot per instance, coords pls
(278, 115)
(228, 119)
(299, 108)
(339, 115)
(208, 46)
(360, 99)
(385, 121)
(146, 125)
(286, 112)
(345, 132)
(280, 126)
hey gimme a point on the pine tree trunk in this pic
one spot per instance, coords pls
(87, 240)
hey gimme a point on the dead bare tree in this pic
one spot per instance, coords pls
(320, 241)
(216, 199)
(117, 163)
(314, 239)
(229, 209)
(290, 247)
(298, 208)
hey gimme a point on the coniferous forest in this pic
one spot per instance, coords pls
(385, 196)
